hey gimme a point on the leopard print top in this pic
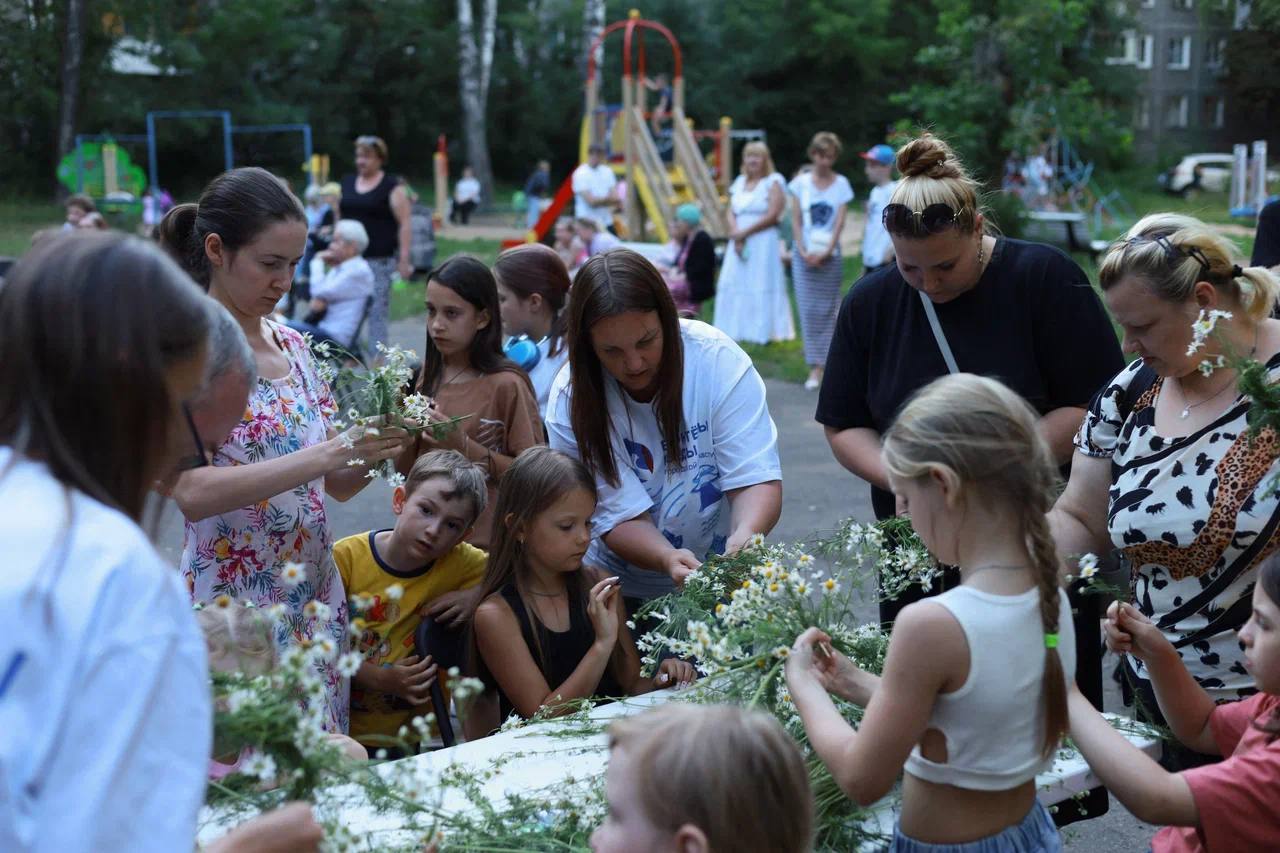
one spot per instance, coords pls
(1193, 516)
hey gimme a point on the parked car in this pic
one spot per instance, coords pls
(1208, 172)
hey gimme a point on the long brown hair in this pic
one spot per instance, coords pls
(982, 437)
(470, 279)
(90, 324)
(616, 282)
(535, 268)
(537, 479)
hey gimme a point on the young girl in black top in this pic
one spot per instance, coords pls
(549, 630)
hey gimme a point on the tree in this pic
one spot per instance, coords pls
(72, 56)
(475, 64)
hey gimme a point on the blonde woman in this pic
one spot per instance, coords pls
(751, 294)
(822, 199)
(1164, 470)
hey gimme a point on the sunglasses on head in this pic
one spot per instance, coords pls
(900, 219)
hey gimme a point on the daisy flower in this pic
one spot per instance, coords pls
(1088, 566)
(260, 766)
(349, 664)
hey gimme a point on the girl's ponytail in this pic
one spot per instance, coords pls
(1044, 556)
(1261, 287)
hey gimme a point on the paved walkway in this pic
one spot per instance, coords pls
(817, 495)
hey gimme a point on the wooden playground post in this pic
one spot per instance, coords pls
(110, 180)
(440, 164)
(726, 154)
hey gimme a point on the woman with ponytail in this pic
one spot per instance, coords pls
(973, 696)
(257, 506)
(1165, 472)
(533, 285)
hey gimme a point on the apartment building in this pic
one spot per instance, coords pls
(1178, 48)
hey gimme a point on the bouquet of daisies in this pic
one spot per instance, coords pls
(371, 397)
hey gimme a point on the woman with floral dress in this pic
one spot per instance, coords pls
(256, 525)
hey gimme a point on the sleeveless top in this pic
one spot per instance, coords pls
(562, 651)
(994, 724)
(373, 211)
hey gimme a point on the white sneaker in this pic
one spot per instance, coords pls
(812, 384)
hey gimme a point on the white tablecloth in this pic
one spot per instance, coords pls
(532, 758)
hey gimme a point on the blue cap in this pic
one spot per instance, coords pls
(882, 154)
(689, 214)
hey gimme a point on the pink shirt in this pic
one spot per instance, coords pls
(1237, 798)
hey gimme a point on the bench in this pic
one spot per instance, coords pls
(1066, 229)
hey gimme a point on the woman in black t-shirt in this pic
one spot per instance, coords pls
(1019, 312)
(379, 201)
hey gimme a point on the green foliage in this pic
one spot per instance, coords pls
(989, 74)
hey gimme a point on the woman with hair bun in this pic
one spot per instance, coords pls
(257, 505)
(1165, 472)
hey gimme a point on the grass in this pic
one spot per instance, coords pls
(407, 300)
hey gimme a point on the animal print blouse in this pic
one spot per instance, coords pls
(1193, 516)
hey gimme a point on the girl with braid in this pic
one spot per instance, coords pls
(972, 702)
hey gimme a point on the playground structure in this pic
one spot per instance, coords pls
(654, 188)
(97, 171)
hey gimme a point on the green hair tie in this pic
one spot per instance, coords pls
(1050, 641)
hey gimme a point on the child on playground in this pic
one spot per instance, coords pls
(973, 697)
(548, 629)
(532, 286)
(77, 206)
(418, 568)
(699, 778)
(1231, 805)
(239, 640)
(877, 248)
(466, 375)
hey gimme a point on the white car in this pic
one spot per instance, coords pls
(1209, 172)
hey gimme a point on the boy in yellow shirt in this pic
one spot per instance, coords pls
(421, 567)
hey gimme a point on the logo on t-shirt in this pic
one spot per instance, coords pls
(641, 457)
(820, 213)
(706, 486)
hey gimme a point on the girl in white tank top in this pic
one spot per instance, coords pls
(972, 700)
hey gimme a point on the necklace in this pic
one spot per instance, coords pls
(455, 376)
(1186, 410)
(975, 569)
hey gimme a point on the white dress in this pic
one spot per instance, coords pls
(751, 294)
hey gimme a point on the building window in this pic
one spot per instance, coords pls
(1125, 49)
(1146, 48)
(1215, 52)
(1214, 111)
(1175, 111)
(1183, 4)
(1142, 113)
(1180, 52)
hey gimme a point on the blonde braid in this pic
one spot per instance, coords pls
(1044, 560)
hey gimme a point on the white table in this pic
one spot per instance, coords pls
(531, 758)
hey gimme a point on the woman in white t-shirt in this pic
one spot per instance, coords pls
(751, 294)
(105, 716)
(532, 286)
(686, 460)
(821, 197)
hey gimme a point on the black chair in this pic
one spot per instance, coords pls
(447, 649)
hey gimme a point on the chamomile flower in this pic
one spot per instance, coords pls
(830, 585)
(357, 462)
(223, 601)
(756, 540)
(782, 652)
(395, 479)
(241, 698)
(293, 574)
(314, 609)
(1203, 327)
(349, 664)
(323, 649)
(259, 766)
(1088, 566)
(804, 561)
(276, 612)
(395, 592)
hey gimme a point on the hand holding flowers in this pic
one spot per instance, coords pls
(1128, 631)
